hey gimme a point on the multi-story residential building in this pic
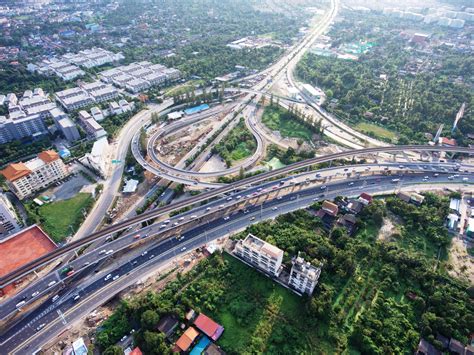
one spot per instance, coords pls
(115, 108)
(20, 125)
(109, 75)
(36, 174)
(106, 93)
(65, 125)
(36, 102)
(64, 69)
(8, 218)
(69, 129)
(25, 118)
(97, 114)
(73, 99)
(125, 105)
(91, 126)
(303, 276)
(136, 77)
(94, 57)
(137, 85)
(260, 254)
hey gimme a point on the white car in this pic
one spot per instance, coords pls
(39, 327)
(34, 294)
(52, 283)
(226, 218)
(109, 252)
(183, 248)
(144, 253)
(181, 219)
(103, 251)
(274, 208)
(108, 277)
(115, 277)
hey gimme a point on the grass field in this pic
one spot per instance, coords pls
(237, 145)
(58, 218)
(240, 152)
(378, 131)
(275, 163)
(272, 305)
(273, 118)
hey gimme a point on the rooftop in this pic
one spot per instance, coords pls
(208, 326)
(263, 246)
(23, 247)
(185, 340)
(15, 171)
(48, 156)
(330, 207)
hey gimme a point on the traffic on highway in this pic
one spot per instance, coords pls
(229, 216)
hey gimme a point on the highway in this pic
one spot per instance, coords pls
(215, 193)
(96, 290)
(112, 184)
(180, 174)
(184, 221)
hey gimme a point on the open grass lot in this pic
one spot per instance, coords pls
(275, 163)
(256, 307)
(278, 120)
(58, 218)
(240, 152)
(237, 145)
(377, 131)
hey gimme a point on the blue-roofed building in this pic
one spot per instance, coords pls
(64, 153)
(196, 109)
(200, 346)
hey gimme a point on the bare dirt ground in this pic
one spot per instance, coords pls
(389, 227)
(173, 148)
(213, 164)
(462, 263)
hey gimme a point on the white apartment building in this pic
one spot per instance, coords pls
(97, 114)
(73, 99)
(8, 218)
(91, 126)
(36, 174)
(303, 276)
(260, 254)
(136, 77)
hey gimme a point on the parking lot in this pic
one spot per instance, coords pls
(67, 188)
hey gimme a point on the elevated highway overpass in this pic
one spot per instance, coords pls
(242, 184)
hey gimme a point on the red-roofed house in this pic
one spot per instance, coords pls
(365, 198)
(21, 248)
(446, 142)
(186, 340)
(35, 174)
(330, 208)
(136, 351)
(208, 326)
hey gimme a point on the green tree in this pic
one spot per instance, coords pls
(149, 319)
(113, 350)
